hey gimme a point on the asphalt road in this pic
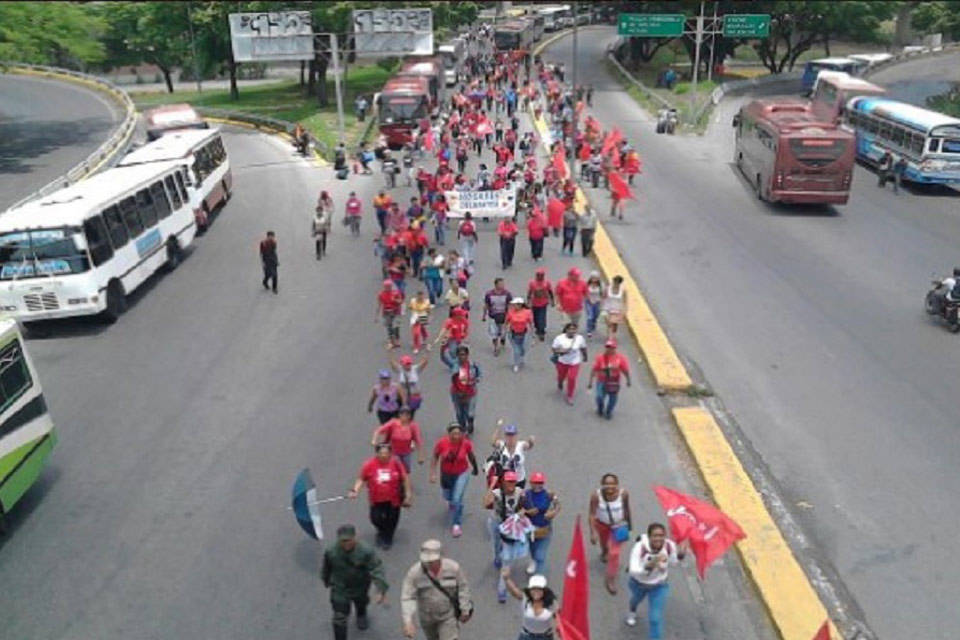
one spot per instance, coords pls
(808, 324)
(163, 513)
(47, 127)
(919, 79)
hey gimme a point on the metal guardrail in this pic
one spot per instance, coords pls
(263, 122)
(643, 88)
(102, 155)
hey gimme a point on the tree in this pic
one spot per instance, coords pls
(58, 33)
(154, 32)
(938, 17)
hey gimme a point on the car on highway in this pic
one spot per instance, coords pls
(172, 117)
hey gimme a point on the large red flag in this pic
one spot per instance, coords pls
(573, 619)
(709, 530)
(585, 151)
(428, 140)
(611, 140)
(555, 209)
(620, 189)
(824, 632)
(560, 163)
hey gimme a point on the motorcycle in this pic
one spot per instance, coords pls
(667, 120)
(936, 304)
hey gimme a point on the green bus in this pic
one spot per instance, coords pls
(27, 435)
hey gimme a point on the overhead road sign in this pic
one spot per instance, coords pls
(746, 25)
(271, 35)
(393, 31)
(651, 25)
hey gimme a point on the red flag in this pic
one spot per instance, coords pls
(560, 162)
(574, 615)
(710, 531)
(584, 152)
(428, 140)
(620, 189)
(611, 140)
(484, 128)
(555, 209)
(824, 632)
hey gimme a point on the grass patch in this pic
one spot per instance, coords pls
(286, 100)
(684, 109)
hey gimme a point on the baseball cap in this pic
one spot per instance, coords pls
(610, 343)
(346, 532)
(384, 374)
(387, 284)
(510, 476)
(574, 272)
(537, 582)
(517, 300)
(510, 430)
(430, 550)
(406, 360)
(541, 271)
(538, 477)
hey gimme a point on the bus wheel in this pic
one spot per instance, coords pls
(116, 302)
(174, 254)
(759, 188)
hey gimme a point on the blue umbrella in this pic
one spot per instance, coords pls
(306, 507)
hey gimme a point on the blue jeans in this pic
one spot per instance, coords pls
(658, 599)
(603, 397)
(448, 355)
(455, 496)
(468, 249)
(593, 313)
(538, 550)
(463, 409)
(439, 233)
(519, 343)
(434, 288)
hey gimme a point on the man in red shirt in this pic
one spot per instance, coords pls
(536, 230)
(388, 486)
(507, 230)
(454, 453)
(389, 306)
(540, 296)
(463, 388)
(607, 369)
(571, 292)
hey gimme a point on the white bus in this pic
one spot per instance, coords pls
(453, 54)
(552, 17)
(203, 151)
(27, 435)
(81, 250)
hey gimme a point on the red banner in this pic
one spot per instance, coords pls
(710, 531)
(824, 632)
(611, 140)
(573, 619)
(620, 189)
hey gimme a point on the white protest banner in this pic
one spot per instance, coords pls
(483, 204)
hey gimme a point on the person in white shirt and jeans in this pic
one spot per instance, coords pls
(649, 559)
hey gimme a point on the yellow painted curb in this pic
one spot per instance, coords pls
(793, 604)
(318, 160)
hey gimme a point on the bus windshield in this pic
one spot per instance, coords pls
(506, 40)
(817, 152)
(398, 109)
(950, 145)
(42, 252)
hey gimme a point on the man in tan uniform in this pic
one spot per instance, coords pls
(436, 589)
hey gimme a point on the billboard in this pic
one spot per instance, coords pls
(271, 35)
(393, 31)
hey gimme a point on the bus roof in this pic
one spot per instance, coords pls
(833, 62)
(74, 204)
(172, 146)
(420, 67)
(843, 80)
(789, 115)
(171, 115)
(903, 113)
(871, 58)
(414, 84)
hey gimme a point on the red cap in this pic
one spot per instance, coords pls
(509, 476)
(541, 271)
(538, 477)
(387, 283)
(459, 312)
(406, 360)
(610, 343)
(574, 272)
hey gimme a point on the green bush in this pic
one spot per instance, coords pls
(388, 64)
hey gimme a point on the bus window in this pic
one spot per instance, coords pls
(183, 187)
(148, 213)
(118, 232)
(14, 376)
(950, 146)
(160, 200)
(817, 152)
(916, 144)
(174, 193)
(128, 207)
(97, 241)
(897, 137)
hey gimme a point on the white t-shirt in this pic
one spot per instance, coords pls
(575, 344)
(641, 553)
(515, 462)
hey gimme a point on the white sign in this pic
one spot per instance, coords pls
(482, 204)
(271, 35)
(393, 31)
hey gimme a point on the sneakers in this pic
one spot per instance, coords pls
(497, 562)
(532, 568)
(456, 531)
(501, 595)
(516, 368)
(630, 620)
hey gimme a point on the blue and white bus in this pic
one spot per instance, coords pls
(929, 141)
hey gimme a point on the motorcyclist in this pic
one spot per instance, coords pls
(951, 287)
(340, 157)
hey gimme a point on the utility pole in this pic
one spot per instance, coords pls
(573, 160)
(696, 59)
(713, 42)
(335, 52)
(193, 43)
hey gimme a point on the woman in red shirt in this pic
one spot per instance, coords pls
(536, 230)
(520, 321)
(453, 452)
(403, 435)
(389, 304)
(507, 230)
(388, 486)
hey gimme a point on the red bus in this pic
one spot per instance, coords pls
(430, 69)
(834, 89)
(791, 156)
(401, 105)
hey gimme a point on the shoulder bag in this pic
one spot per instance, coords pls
(453, 598)
(620, 532)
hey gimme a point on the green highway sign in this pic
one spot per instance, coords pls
(746, 25)
(651, 25)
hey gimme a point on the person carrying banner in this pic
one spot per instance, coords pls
(610, 524)
(651, 555)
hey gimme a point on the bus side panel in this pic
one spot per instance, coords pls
(20, 468)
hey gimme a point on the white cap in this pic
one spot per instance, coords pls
(537, 582)
(517, 300)
(430, 551)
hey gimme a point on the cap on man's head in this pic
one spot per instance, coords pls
(611, 343)
(510, 430)
(406, 360)
(510, 476)
(346, 532)
(574, 272)
(430, 550)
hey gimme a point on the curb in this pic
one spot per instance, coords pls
(318, 160)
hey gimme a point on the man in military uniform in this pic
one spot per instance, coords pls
(436, 590)
(348, 569)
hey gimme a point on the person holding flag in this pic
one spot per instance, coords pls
(649, 559)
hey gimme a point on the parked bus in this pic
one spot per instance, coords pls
(172, 117)
(27, 435)
(790, 156)
(204, 153)
(81, 250)
(430, 69)
(929, 141)
(516, 35)
(833, 90)
(452, 54)
(552, 17)
(400, 106)
(813, 67)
